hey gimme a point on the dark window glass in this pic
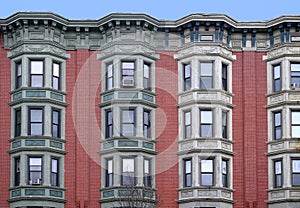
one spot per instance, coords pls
(296, 124)
(206, 76)
(18, 122)
(295, 75)
(188, 173)
(207, 172)
(36, 125)
(109, 173)
(110, 77)
(128, 122)
(35, 170)
(109, 124)
(187, 77)
(147, 173)
(56, 123)
(276, 78)
(147, 124)
(56, 76)
(17, 171)
(128, 172)
(187, 124)
(18, 81)
(36, 73)
(296, 172)
(278, 173)
(146, 81)
(277, 125)
(54, 172)
(225, 173)
(206, 125)
(224, 77)
(224, 124)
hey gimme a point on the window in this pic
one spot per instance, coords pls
(295, 124)
(109, 124)
(54, 172)
(17, 171)
(36, 73)
(128, 122)
(56, 76)
(225, 173)
(187, 173)
(224, 124)
(224, 77)
(296, 172)
(187, 124)
(146, 80)
(110, 77)
(276, 78)
(36, 126)
(187, 76)
(295, 75)
(147, 124)
(128, 73)
(277, 125)
(35, 170)
(56, 123)
(109, 173)
(206, 123)
(147, 173)
(277, 173)
(207, 172)
(128, 172)
(18, 81)
(18, 122)
(206, 76)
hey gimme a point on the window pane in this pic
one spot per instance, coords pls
(277, 119)
(224, 167)
(56, 69)
(188, 166)
(146, 70)
(36, 129)
(296, 166)
(206, 130)
(206, 69)
(36, 81)
(36, 115)
(295, 131)
(188, 180)
(188, 131)
(35, 161)
(277, 72)
(295, 117)
(55, 117)
(128, 165)
(187, 71)
(206, 83)
(278, 181)
(207, 179)
(187, 118)
(296, 179)
(278, 167)
(109, 166)
(206, 165)
(128, 129)
(147, 166)
(128, 116)
(127, 65)
(36, 67)
(54, 166)
(206, 116)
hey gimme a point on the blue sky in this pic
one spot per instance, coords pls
(240, 10)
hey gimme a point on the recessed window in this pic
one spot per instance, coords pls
(206, 123)
(277, 78)
(109, 173)
(146, 80)
(147, 124)
(18, 74)
(18, 122)
(207, 172)
(187, 76)
(187, 173)
(295, 75)
(206, 76)
(109, 124)
(277, 125)
(55, 172)
(187, 124)
(128, 69)
(56, 73)
(296, 124)
(147, 173)
(225, 173)
(36, 73)
(17, 171)
(296, 172)
(35, 170)
(128, 172)
(109, 77)
(278, 173)
(36, 125)
(224, 77)
(128, 122)
(56, 123)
